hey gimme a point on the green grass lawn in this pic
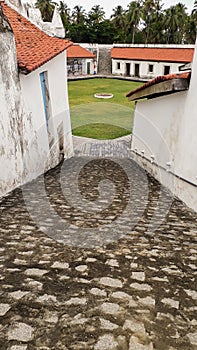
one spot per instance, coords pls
(101, 118)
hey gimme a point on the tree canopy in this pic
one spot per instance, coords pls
(143, 21)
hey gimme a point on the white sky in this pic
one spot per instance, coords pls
(108, 5)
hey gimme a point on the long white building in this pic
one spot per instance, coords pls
(150, 61)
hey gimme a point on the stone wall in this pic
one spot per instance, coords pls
(104, 59)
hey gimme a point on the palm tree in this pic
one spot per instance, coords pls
(65, 14)
(118, 18)
(194, 12)
(175, 23)
(195, 7)
(149, 6)
(77, 27)
(78, 15)
(95, 18)
(182, 21)
(46, 8)
(170, 24)
(133, 17)
(190, 32)
(96, 14)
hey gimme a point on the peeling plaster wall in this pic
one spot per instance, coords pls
(11, 113)
(24, 141)
(165, 143)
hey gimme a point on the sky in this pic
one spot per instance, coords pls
(108, 5)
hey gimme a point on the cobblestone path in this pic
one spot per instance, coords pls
(118, 273)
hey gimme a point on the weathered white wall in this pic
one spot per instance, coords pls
(83, 61)
(24, 143)
(186, 158)
(91, 61)
(13, 133)
(165, 142)
(144, 68)
(32, 93)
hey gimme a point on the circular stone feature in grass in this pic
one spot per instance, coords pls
(103, 95)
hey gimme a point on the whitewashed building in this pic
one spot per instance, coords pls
(35, 130)
(150, 61)
(164, 138)
(80, 61)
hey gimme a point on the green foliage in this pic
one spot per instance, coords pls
(46, 8)
(143, 21)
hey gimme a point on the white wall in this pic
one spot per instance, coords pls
(165, 142)
(32, 93)
(83, 62)
(24, 144)
(91, 61)
(158, 68)
(12, 115)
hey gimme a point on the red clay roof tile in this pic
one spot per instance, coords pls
(33, 46)
(159, 79)
(77, 51)
(153, 54)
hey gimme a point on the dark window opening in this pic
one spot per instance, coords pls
(166, 70)
(150, 68)
(118, 65)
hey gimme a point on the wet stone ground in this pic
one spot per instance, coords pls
(98, 268)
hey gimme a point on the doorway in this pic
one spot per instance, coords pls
(128, 67)
(88, 67)
(137, 70)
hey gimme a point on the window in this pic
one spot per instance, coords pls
(166, 70)
(150, 68)
(118, 65)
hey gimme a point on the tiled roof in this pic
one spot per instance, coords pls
(76, 51)
(33, 46)
(160, 79)
(153, 54)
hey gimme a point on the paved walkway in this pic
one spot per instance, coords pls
(97, 256)
(118, 148)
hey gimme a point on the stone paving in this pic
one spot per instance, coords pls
(116, 275)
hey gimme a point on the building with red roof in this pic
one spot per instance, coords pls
(33, 46)
(80, 61)
(35, 116)
(150, 61)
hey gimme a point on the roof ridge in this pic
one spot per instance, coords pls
(182, 55)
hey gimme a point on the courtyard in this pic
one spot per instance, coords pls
(101, 118)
